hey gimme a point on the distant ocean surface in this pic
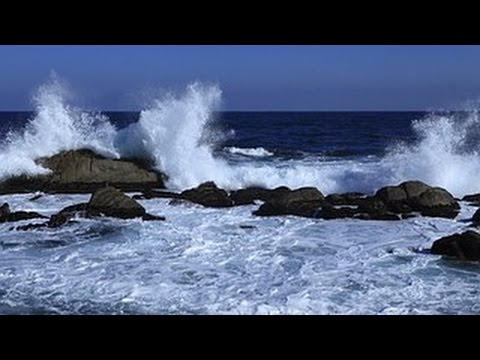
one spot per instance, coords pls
(205, 261)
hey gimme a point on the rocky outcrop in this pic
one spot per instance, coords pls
(209, 195)
(303, 202)
(7, 216)
(83, 171)
(415, 196)
(111, 202)
(465, 246)
(249, 195)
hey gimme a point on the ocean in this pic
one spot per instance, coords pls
(227, 261)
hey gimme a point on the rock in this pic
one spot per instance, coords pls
(150, 217)
(36, 197)
(345, 199)
(83, 171)
(476, 218)
(21, 215)
(152, 194)
(112, 202)
(415, 196)
(301, 202)
(4, 210)
(208, 195)
(248, 195)
(391, 194)
(414, 188)
(473, 199)
(465, 246)
(436, 202)
(30, 227)
(331, 213)
(378, 215)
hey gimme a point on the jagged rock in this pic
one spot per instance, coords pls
(21, 215)
(83, 171)
(414, 188)
(415, 196)
(112, 202)
(4, 210)
(465, 246)
(301, 202)
(391, 194)
(248, 195)
(346, 199)
(150, 217)
(152, 194)
(209, 195)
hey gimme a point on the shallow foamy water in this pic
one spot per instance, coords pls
(226, 261)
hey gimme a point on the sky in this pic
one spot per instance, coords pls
(255, 78)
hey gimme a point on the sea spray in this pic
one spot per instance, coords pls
(55, 127)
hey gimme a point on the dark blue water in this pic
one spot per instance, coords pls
(338, 134)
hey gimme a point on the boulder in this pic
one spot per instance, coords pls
(83, 171)
(248, 195)
(391, 194)
(436, 202)
(345, 199)
(476, 218)
(414, 188)
(208, 195)
(415, 196)
(465, 246)
(303, 202)
(21, 215)
(473, 199)
(112, 202)
(4, 210)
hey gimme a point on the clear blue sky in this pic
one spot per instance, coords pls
(251, 77)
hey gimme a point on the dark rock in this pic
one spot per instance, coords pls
(473, 199)
(378, 215)
(391, 194)
(330, 213)
(465, 246)
(112, 202)
(4, 210)
(21, 215)
(436, 202)
(476, 218)
(150, 217)
(345, 199)
(36, 197)
(30, 227)
(414, 188)
(301, 202)
(176, 202)
(152, 194)
(248, 195)
(208, 195)
(83, 171)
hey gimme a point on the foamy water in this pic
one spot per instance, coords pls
(201, 261)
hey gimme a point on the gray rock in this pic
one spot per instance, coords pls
(208, 195)
(465, 246)
(83, 171)
(112, 202)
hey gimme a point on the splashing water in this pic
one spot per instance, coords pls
(55, 127)
(178, 135)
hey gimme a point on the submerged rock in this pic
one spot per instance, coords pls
(209, 195)
(83, 171)
(465, 246)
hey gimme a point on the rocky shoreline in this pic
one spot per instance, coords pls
(83, 171)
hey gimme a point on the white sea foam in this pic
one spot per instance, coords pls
(56, 126)
(255, 152)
